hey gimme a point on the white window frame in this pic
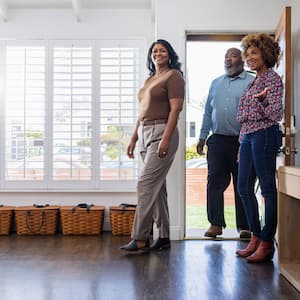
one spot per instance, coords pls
(48, 184)
(17, 184)
(122, 184)
(68, 184)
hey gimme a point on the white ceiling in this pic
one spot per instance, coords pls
(76, 5)
(100, 4)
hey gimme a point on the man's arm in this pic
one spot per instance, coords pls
(206, 123)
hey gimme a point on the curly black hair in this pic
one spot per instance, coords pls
(173, 57)
(266, 44)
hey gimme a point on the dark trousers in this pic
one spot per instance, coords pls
(258, 158)
(222, 165)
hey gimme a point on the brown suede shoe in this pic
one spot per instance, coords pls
(213, 231)
(245, 234)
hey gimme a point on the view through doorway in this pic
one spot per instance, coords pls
(205, 62)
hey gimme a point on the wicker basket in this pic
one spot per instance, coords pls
(121, 219)
(36, 220)
(80, 220)
(6, 213)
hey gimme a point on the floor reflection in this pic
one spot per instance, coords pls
(92, 268)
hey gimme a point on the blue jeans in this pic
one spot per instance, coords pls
(258, 153)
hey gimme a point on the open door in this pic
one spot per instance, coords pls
(284, 68)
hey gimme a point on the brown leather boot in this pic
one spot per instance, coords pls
(264, 252)
(245, 234)
(213, 231)
(251, 248)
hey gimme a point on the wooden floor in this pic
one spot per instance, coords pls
(90, 268)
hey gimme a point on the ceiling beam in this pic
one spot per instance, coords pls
(153, 10)
(3, 10)
(76, 4)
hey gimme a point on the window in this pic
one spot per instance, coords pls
(69, 109)
(192, 129)
(24, 112)
(118, 87)
(72, 111)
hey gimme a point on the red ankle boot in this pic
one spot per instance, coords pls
(264, 252)
(251, 248)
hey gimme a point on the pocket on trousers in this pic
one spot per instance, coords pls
(279, 138)
(273, 140)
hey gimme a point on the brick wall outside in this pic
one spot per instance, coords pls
(196, 180)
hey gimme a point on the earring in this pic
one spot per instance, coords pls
(169, 61)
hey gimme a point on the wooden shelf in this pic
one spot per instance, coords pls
(291, 272)
(289, 224)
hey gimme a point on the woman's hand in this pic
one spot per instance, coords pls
(130, 149)
(262, 95)
(176, 105)
(163, 147)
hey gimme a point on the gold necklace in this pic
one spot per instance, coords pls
(162, 72)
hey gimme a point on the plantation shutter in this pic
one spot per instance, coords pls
(24, 112)
(72, 111)
(119, 83)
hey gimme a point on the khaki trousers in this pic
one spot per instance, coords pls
(152, 202)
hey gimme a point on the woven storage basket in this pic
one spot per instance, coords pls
(121, 219)
(36, 220)
(6, 213)
(79, 220)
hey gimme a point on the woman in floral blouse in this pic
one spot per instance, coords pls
(260, 110)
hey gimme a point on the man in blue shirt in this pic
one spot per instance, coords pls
(223, 144)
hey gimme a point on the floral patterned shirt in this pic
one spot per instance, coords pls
(254, 114)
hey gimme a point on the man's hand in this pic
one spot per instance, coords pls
(200, 146)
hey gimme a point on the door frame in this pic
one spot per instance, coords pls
(208, 37)
(283, 34)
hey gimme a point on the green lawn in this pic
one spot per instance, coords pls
(196, 217)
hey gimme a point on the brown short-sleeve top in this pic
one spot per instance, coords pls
(155, 94)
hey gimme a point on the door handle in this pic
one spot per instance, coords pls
(288, 150)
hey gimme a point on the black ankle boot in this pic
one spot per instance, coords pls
(132, 246)
(160, 244)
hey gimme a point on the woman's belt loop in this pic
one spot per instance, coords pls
(153, 122)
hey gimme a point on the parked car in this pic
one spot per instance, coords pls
(73, 150)
(193, 163)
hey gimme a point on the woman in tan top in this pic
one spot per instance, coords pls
(161, 101)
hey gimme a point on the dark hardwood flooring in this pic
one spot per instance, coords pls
(92, 267)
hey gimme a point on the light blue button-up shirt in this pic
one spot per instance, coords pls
(222, 103)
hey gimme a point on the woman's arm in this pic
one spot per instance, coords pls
(273, 106)
(176, 105)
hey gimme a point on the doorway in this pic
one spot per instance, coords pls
(204, 62)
